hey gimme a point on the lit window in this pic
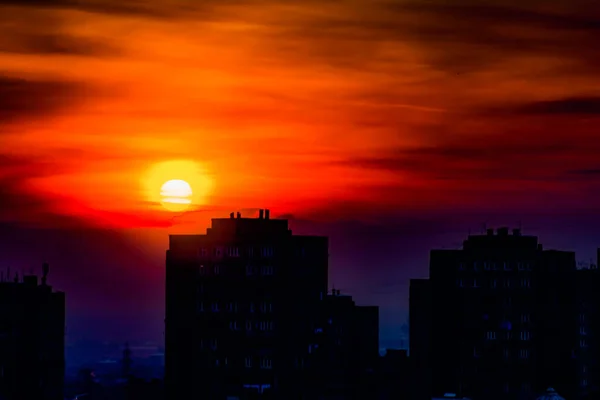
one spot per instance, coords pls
(267, 252)
(234, 252)
(266, 363)
(525, 335)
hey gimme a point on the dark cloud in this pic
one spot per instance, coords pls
(54, 43)
(33, 99)
(568, 106)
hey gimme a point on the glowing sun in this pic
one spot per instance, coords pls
(176, 195)
(177, 185)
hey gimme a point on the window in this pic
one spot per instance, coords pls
(520, 266)
(203, 252)
(494, 266)
(217, 269)
(248, 362)
(582, 331)
(523, 353)
(267, 252)
(507, 266)
(475, 266)
(266, 325)
(213, 344)
(506, 353)
(218, 251)
(266, 270)
(249, 270)
(581, 317)
(582, 343)
(490, 335)
(475, 283)
(525, 283)
(248, 325)
(584, 369)
(233, 325)
(507, 283)
(525, 318)
(525, 335)
(493, 283)
(215, 307)
(250, 251)
(201, 306)
(461, 266)
(459, 283)
(201, 270)
(251, 307)
(584, 382)
(506, 388)
(526, 387)
(476, 353)
(508, 335)
(233, 252)
(266, 363)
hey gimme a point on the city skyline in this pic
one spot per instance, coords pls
(392, 127)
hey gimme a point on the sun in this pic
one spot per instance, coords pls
(176, 195)
(177, 185)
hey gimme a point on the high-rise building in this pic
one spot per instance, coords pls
(242, 305)
(499, 319)
(32, 329)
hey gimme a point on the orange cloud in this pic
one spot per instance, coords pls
(296, 104)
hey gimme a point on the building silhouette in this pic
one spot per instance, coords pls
(32, 329)
(588, 330)
(242, 305)
(346, 348)
(497, 319)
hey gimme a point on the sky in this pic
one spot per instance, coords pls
(393, 126)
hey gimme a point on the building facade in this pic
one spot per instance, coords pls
(499, 319)
(242, 306)
(32, 333)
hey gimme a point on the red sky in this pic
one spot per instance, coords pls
(327, 110)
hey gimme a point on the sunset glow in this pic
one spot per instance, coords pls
(351, 105)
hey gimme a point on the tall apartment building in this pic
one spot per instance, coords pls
(32, 329)
(242, 304)
(499, 319)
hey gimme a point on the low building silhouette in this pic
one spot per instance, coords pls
(32, 330)
(346, 349)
